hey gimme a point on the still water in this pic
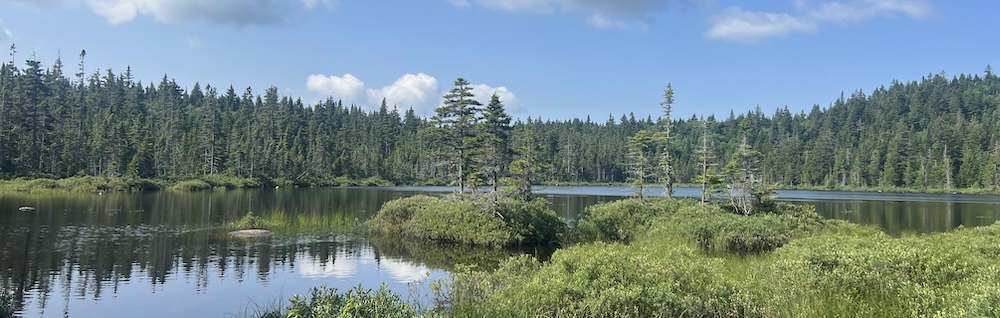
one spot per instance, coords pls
(164, 254)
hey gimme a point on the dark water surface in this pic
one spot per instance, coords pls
(164, 254)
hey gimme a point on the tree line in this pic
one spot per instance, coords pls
(938, 132)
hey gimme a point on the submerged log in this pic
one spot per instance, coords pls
(251, 233)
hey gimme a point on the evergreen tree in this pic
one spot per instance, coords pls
(496, 155)
(453, 128)
(639, 161)
(666, 171)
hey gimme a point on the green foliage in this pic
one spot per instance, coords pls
(323, 302)
(599, 280)
(938, 135)
(469, 220)
(815, 267)
(622, 220)
(80, 184)
(940, 275)
(532, 223)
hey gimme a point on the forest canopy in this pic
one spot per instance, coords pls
(933, 133)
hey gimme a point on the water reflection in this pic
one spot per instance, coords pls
(164, 254)
(76, 251)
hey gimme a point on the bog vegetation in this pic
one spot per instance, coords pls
(682, 258)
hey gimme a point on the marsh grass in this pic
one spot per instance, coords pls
(282, 222)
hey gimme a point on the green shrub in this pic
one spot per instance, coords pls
(945, 275)
(469, 220)
(532, 222)
(622, 220)
(394, 215)
(602, 280)
(324, 302)
(459, 222)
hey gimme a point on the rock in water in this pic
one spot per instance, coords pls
(26, 208)
(250, 233)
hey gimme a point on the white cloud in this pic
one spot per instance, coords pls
(860, 10)
(619, 14)
(310, 4)
(602, 22)
(735, 24)
(742, 26)
(419, 91)
(529, 6)
(5, 33)
(464, 4)
(345, 87)
(483, 93)
(231, 12)
(41, 3)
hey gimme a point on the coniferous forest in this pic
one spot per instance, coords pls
(937, 132)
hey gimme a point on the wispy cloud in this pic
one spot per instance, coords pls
(742, 26)
(226, 12)
(603, 14)
(738, 25)
(5, 33)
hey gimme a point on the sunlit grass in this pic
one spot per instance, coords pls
(283, 222)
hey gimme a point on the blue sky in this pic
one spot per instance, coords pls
(555, 59)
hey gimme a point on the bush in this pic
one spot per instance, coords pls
(945, 275)
(602, 280)
(469, 220)
(622, 220)
(357, 302)
(532, 222)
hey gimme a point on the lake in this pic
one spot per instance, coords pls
(164, 254)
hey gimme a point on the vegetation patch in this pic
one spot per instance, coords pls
(475, 220)
(191, 185)
(85, 184)
(357, 302)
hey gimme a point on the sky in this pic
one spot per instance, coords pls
(550, 59)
